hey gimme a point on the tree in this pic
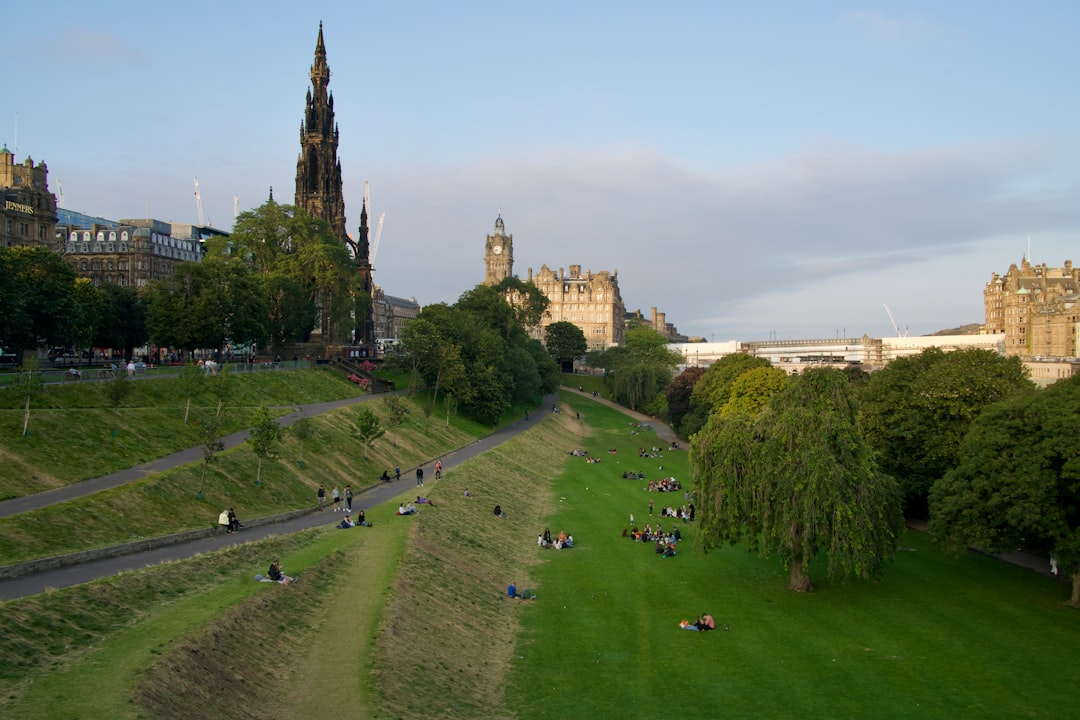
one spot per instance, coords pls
(565, 342)
(191, 380)
(291, 313)
(39, 302)
(29, 385)
(713, 390)
(117, 389)
(210, 435)
(222, 385)
(122, 320)
(678, 393)
(917, 410)
(527, 301)
(750, 392)
(368, 428)
(302, 430)
(797, 480)
(639, 370)
(1018, 479)
(264, 436)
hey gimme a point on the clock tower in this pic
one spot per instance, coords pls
(498, 255)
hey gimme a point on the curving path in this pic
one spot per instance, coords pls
(376, 495)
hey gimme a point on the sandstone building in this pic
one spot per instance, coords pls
(27, 208)
(590, 301)
(1035, 307)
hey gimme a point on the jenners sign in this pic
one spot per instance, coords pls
(18, 207)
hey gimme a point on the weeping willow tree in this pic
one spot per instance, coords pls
(797, 479)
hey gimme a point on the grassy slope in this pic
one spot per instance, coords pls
(940, 637)
(74, 435)
(168, 502)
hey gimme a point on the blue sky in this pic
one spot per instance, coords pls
(754, 170)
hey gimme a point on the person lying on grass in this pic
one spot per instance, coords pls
(420, 500)
(704, 622)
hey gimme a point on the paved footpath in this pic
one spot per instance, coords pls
(376, 495)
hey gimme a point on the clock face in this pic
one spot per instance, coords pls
(497, 249)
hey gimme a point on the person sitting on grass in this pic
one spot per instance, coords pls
(275, 574)
(513, 593)
(406, 509)
(361, 519)
(346, 523)
(499, 512)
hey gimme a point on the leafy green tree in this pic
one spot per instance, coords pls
(798, 480)
(565, 342)
(713, 390)
(639, 370)
(527, 301)
(368, 428)
(678, 393)
(39, 301)
(122, 320)
(751, 391)
(917, 410)
(90, 304)
(265, 437)
(291, 313)
(183, 309)
(1018, 479)
(116, 390)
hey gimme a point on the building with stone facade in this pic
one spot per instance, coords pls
(127, 252)
(658, 322)
(1035, 308)
(319, 188)
(27, 208)
(589, 300)
(390, 313)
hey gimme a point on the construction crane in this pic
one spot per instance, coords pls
(896, 328)
(198, 202)
(375, 242)
(378, 229)
(235, 206)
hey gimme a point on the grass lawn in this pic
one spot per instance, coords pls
(939, 637)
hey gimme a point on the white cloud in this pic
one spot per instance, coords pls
(877, 28)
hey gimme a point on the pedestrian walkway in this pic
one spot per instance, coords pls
(178, 459)
(371, 497)
(663, 432)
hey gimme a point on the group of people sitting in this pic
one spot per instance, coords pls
(649, 534)
(228, 520)
(705, 621)
(633, 475)
(668, 484)
(348, 522)
(274, 574)
(407, 509)
(654, 453)
(684, 513)
(559, 542)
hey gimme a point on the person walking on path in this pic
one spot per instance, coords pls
(397, 473)
(438, 469)
(322, 497)
(419, 475)
(348, 498)
(337, 499)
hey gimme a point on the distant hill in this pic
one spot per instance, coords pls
(969, 329)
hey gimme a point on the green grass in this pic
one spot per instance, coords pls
(74, 435)
(168, 502)
(939, 637)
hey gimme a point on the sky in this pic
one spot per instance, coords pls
(753, 170)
